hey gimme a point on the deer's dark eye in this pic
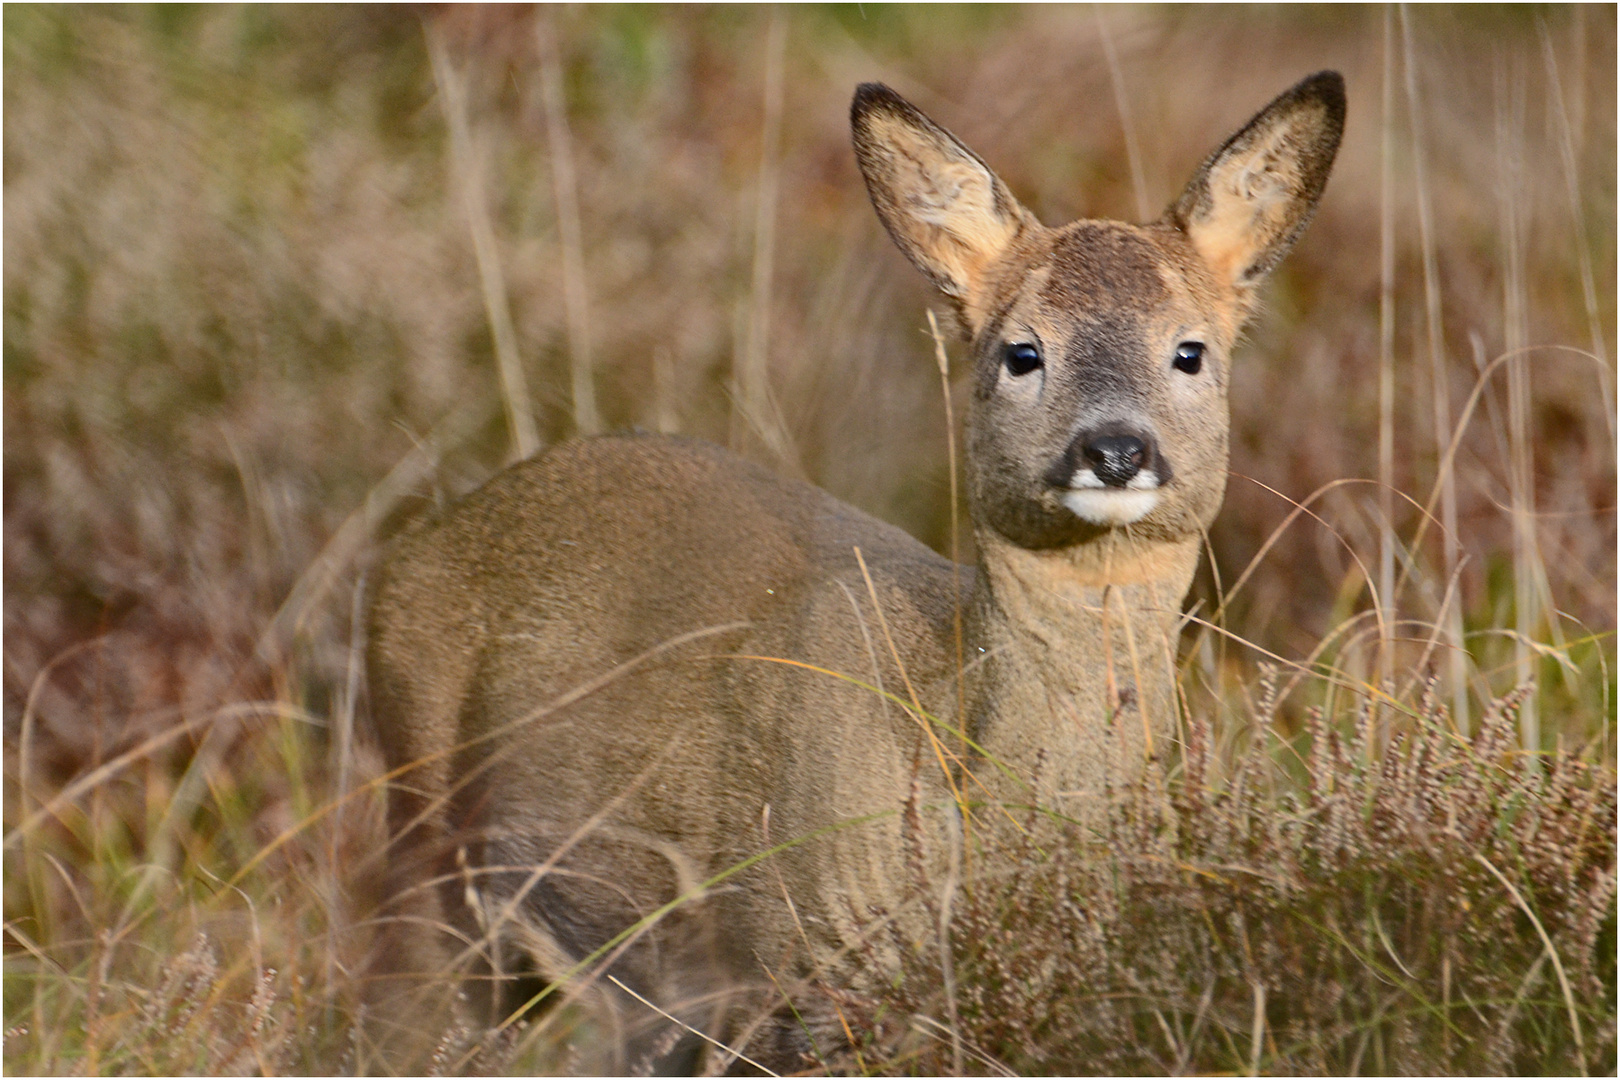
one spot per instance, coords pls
(1189, 357)
(1023, 358)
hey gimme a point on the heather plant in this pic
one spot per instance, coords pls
(1421, 902)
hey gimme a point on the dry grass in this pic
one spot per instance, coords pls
(1374, 919)
(246, 325)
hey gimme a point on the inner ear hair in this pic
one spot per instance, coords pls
(1251, 199)
(944, 207)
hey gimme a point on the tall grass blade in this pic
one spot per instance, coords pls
(467, 163)
(565, 192)
(753, 383)
(1440, 379)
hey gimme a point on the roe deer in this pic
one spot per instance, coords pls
(630, 665)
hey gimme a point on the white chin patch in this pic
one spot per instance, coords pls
(1111, 506)
(1092, 501)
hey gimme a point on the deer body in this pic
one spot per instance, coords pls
(629, 666)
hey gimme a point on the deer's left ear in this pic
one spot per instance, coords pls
(1251, 199)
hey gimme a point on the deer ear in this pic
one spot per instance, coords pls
(946, 210)
(1251, 199)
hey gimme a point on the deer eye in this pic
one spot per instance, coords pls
(1022, 358)
(1189, 357)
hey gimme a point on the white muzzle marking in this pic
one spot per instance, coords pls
(1092, 500)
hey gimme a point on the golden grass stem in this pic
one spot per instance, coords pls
(1257, 1030)
(798, 924)
(753, 382)
(1463, 418)
(357, 530)
(615, 947)
(565, 193)
(1567, 157)
(467, 165)
(1386, 351)
(683, 1025)
(108, 769)
(947, 898)
(944, 364)
(911, 692)
(1302, 507)
(1521, 461)
(1133, 152)
(1552, 954)
(508, 913)
(25, 735)
(666, 417)
(343, 751)
(1440, 380)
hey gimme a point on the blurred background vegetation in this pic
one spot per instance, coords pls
(261, 264)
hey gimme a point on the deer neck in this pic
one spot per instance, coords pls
(1077, 651)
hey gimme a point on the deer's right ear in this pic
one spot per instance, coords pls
(947, 211)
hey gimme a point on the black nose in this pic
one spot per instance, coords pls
(1115, 458)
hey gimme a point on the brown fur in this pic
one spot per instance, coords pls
(613, 673)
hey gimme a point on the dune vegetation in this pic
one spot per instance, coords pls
(278, 278)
